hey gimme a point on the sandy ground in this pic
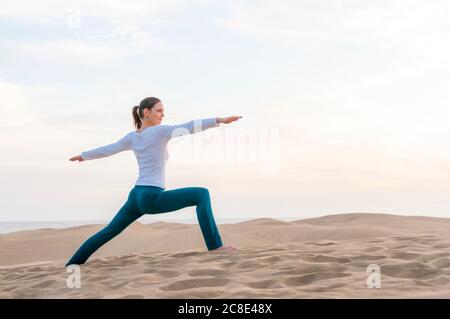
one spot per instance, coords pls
(324, 257)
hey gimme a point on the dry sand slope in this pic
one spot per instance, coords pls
(314, 258)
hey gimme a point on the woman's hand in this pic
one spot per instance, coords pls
(227, 120)
(77, 158)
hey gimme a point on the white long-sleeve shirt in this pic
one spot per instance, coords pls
(150, 148)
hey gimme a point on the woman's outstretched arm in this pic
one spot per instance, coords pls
(121, 145)
(196, 126)
(227, 120)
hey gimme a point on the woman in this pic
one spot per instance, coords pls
(149, 144)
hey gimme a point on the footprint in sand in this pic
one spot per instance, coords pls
(443, 262)
(410, 270)
(187, 254)
(404, 255)
(372, 249)
(443, 245)
(325, 259)
(403, 238)
(163, 273)
(206, 272)
(264, 284)
(96, 278)
(368, 257)
(439, 281)
(35, 269)
(328, 288)
(270, 259)
(311, 278)
(248, 264)
(323, 244)
(45, 284)
(303, 270)
(196, 283)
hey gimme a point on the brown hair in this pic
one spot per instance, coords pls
(146, 103)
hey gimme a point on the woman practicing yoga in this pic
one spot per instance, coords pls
(148, 196)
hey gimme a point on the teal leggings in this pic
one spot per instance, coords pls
(154, 200)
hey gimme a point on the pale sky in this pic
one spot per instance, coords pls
(354, 96)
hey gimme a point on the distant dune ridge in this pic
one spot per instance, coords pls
(325, 257)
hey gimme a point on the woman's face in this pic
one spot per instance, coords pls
(156, 114)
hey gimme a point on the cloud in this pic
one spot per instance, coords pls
(45, 10)
(62, 52)
(15, 110)
(347, 130)
(85, 32)
(43, 123)
(413, 27)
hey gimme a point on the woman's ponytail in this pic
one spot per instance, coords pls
(136, 117)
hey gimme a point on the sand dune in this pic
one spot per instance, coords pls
(324, 257)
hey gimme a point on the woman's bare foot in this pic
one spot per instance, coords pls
(224, 249)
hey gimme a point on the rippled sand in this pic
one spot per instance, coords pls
(324, 257)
